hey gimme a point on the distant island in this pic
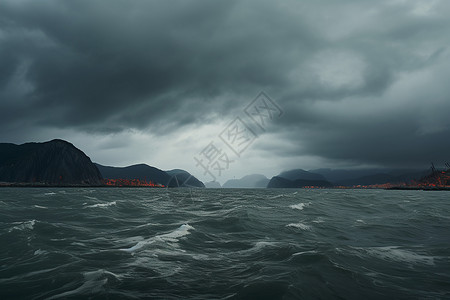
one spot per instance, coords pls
(60, 163)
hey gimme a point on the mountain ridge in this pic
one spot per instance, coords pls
(144, 172)
(281, 182)
(55, 162)
(248, 181)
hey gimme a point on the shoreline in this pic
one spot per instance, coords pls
(45, 185)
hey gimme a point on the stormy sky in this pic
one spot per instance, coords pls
(357, 83)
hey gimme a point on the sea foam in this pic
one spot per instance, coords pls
(172, 237)
(93, 282)
(299, 226)
(299, 206)
(28, 225)
(101, 204)
(394, 253)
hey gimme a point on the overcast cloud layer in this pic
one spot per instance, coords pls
(361, 83)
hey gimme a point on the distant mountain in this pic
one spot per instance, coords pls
(172, 178)
(212, 185)
(249, 181)
(300, 174)
(298, 178)
(56, 162)
(182, 178)
(335, 175)
(280, 182)
(140, 171)
(382, 178)
(369, 176)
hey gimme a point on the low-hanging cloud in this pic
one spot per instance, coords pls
(359, 82)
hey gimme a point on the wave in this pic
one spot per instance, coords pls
(258, 247)
(309, 252)
(319, 220)
(299, 226)
(240, 239)
(40, 252)
(28, 225)
(264, 244)
(38, 206)
(394, 253)
(300, 206)
(101, 205)
(283, 195)
(173, 237)
(93, 283)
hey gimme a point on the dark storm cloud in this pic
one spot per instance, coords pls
(359, 81)
(120, 64)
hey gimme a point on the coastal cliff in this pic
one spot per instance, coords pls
(56, 162)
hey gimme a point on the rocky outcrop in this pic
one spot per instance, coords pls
(56, 162)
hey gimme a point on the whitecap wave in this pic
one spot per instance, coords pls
(172, 237)
(28, 225)
(299, 206)
(394, 253)
(305, 253)
(264, 244)
(38, 206)
(299, 226)
(40, 252)
(94, 282)
(283, 195)
(319, 220)
(258, 246)
(101, 204)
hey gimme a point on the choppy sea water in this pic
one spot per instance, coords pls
(118, 243)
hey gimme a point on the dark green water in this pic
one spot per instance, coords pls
(223, 244)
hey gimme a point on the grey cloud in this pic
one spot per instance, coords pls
(107, 66)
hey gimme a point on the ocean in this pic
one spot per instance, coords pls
(142, 243)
